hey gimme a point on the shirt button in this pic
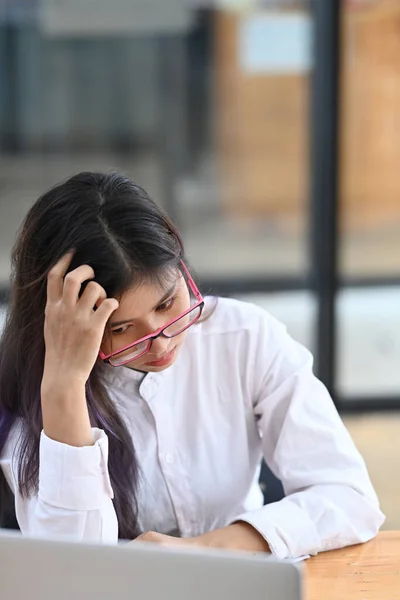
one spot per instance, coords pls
(169, 459)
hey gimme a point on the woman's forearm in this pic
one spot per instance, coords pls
(65, 413)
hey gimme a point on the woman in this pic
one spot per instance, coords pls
(131, 407)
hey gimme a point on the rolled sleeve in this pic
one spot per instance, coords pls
(75, 478)
(288, 532)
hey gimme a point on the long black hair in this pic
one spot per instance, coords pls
(114, 227)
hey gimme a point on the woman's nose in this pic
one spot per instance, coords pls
(160, 346)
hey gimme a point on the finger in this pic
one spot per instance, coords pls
(93, 295)
(163, 540)
(149, 539)
(105, 310)
(141, 538)
(150, 536)
(158, 538)
(73, 281)
(55, 277)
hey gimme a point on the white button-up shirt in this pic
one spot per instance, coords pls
(241, 389)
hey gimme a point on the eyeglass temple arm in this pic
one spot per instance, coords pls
(190, 279)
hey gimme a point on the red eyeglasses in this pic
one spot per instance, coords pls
(173, 328)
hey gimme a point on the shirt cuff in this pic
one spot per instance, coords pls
(74, 478)
(284, 526)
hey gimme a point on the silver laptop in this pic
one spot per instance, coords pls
(58, 570)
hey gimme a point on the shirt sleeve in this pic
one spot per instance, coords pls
(329, 499)
(75, 494)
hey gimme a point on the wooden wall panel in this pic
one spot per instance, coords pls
(262, 125)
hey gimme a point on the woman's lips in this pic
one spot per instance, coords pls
(163, 361)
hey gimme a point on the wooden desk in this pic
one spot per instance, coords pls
(367, 572)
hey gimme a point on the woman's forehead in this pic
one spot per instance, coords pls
(139, 300)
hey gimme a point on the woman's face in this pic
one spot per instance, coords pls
(142, 311)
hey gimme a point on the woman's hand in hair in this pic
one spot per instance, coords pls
(73, 331)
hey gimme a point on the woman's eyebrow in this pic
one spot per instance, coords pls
(166, 295)
(163, 299)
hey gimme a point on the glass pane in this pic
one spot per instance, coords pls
(297, 310)
(183, 323)
(130, 354)
(207, 109)
(370, 138)
(248, 197)
(368, 349)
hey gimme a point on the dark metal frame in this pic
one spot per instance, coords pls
(11, 100)
(324, 170)
(172, 110)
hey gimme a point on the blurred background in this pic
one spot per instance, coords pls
(269, 130)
